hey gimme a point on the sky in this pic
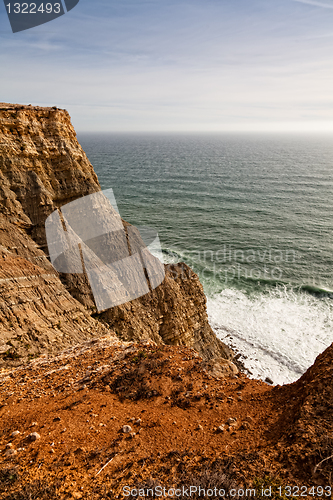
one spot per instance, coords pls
(178, 65)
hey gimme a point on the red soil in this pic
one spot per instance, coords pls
(79, 402)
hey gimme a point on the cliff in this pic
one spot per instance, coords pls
(105, 413)
(42, 168)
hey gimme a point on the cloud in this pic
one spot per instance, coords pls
(316, 4)
(177, 65)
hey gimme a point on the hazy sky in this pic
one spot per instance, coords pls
(178, 65)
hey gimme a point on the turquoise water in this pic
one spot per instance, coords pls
(252, 215)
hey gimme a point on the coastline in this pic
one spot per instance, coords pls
(140, 394)
(43, 168)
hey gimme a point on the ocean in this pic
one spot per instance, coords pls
(253, 216)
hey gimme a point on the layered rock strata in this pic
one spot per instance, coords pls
(37, 313)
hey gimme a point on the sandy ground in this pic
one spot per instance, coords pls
(151, 416)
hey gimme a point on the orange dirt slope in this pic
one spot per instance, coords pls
(184, 425)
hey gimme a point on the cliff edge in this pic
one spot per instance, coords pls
(42, 168)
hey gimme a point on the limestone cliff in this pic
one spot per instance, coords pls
(42, 168)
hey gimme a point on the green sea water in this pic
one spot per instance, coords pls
(252, 215)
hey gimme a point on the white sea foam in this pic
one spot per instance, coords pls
(278, 333)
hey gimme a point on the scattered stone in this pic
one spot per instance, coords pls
(34, 424)
(221, 428)
(34, 436)
(231, 421)
(138, 421)
(56, 419)
(245, 425)
(269, 380)
(127, 429)
(199, 428)
(9, 445)
(10, 453)
(15, 433)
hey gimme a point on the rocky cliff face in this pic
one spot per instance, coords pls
(42, 165)
(173, 314)
(42, 168)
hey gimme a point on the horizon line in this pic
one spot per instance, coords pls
(243, 131)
